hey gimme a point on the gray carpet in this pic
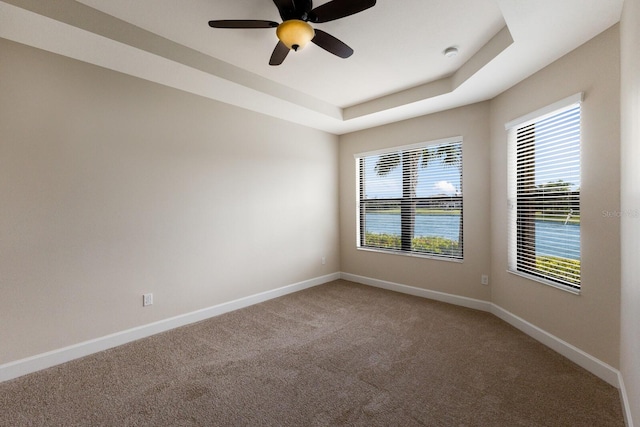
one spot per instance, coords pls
(336, 354)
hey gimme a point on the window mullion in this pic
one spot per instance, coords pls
(408, 207)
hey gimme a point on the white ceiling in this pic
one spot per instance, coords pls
(398, 70)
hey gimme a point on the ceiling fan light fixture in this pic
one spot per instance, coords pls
(295, 34)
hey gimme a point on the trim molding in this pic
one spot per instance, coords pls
(41, 361)
(624, 398)
(577, 356)
(419, 292)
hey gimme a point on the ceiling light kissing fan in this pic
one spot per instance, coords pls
(295, 31)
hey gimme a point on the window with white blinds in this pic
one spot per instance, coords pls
(544, 195)
(410, 199)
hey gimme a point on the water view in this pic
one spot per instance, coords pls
(448, 226)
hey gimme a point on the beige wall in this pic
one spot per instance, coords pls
(630, 195)
(589, 321)
(111, 187)
(463, 279)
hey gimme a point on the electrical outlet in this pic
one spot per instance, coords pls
(147, 299)
(484, 279)
(324, 260)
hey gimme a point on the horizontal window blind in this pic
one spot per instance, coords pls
(544, 198)
(410, 200)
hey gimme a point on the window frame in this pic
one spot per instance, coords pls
(406, 227)
(515, 233)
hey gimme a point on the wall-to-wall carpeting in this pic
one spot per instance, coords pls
(336, 354)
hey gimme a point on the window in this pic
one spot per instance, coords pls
(544, 195)
(410, 199)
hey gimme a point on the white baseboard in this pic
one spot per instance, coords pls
(419, 292)
(626, 407)
(38, 362)
(579, 357)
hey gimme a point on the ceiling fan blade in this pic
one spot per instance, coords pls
(332, 44)
(339, 9)
(279, 54)
(242, 23)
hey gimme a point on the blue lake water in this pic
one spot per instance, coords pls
(448, 226)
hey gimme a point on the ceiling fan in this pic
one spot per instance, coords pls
(295, 31)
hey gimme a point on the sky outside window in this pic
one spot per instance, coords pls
(436, 179)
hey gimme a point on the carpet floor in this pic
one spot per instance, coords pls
(336, 354)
